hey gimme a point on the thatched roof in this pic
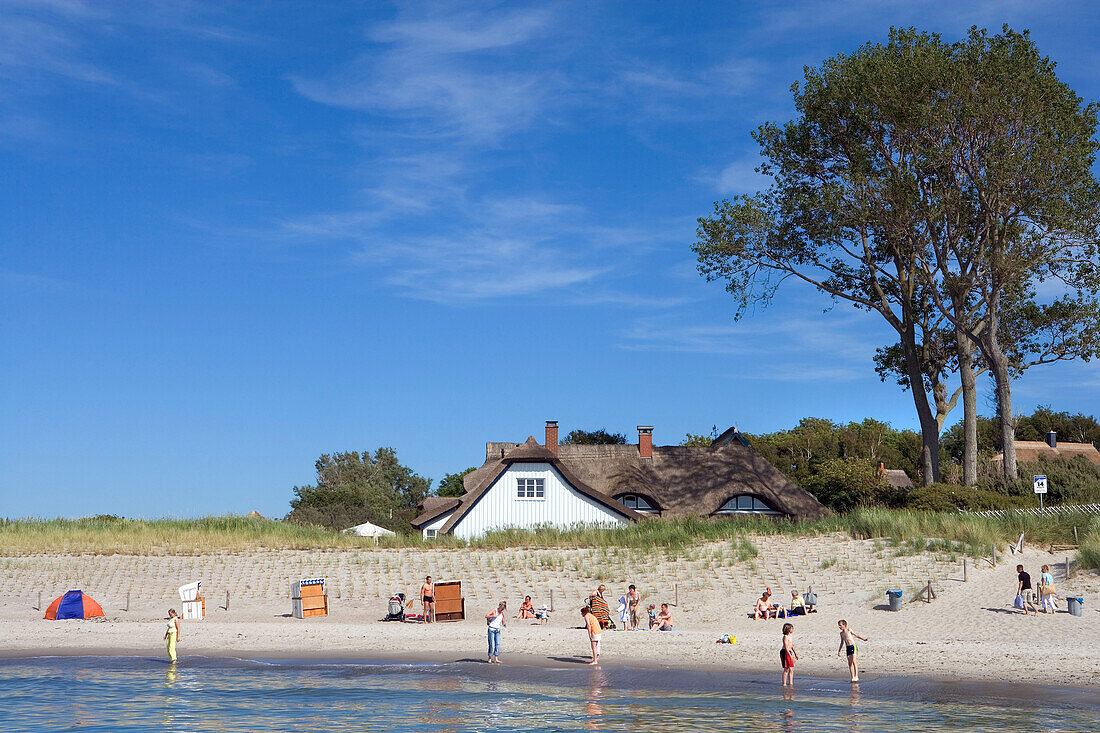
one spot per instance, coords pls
(679, 480)
(898, 478)
(433, 507)
(1030, 450)
(528, 452)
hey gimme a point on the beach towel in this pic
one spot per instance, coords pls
(600, 610)
(624, 613)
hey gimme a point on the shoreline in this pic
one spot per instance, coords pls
(578, 663)
(694, 678)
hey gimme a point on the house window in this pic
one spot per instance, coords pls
(639, 504)
(530, 488)
(429, 534)
(746, 504)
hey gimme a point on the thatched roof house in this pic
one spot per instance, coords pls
(634, 481)
(1028, 451)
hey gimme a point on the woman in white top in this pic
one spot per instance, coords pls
(495, 621)
(1046, 582)
(172, 633)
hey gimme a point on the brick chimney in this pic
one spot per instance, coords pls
(645, 441)
(882, 469)
(1052, 439)
(552, 436)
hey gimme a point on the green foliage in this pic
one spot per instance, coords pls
(353, 488)
(801, 451)
(845, 483)
(948, 497)
(594, 437)
(1073, 428)
(451, 483)
(700, 441)
(1089, 554)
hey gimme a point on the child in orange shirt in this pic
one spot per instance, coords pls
(594, 631)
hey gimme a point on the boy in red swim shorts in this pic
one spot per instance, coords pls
(787, 655)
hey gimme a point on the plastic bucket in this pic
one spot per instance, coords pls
(1076, 605)
(894, 596)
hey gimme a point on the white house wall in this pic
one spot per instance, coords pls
(562, 506)
(436, 523)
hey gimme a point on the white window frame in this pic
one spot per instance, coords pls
(530, 489)
(430, 534)
(753, 500)
(651, 508)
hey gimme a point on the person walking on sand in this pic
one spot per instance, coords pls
(495, 621)
(1024, 589)
(787, 655)
(594, 631)
(1046, 591)
(427, 598)
(172, 633)
(633, 600)
(848, 646)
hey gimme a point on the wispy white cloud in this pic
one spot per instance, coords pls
(442, 71)
(740, 176)
(830, 348)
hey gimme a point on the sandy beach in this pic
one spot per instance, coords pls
(969, 632)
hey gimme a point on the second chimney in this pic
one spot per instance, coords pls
(1052, 439)
(645, 441)
(552, 436)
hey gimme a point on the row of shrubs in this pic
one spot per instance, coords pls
(843, 484)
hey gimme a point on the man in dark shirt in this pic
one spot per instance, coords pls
(1026, 590)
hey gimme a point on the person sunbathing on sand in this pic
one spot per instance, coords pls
(763, 608)
(526, 609)
(663, 620)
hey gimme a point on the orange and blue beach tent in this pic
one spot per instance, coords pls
(73, 604)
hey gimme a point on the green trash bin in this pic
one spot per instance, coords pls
(894, 596)
(1075, 605)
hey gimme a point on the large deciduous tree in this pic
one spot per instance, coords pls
(1009, 199)
(918, 175)
(353, 488)
(840, 213)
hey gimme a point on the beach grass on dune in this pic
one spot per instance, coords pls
(906, 531)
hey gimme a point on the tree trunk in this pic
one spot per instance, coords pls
(998, 363)
(929, 426)
(970, 409)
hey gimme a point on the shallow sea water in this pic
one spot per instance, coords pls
(204, 694)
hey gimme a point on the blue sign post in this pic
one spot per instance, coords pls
(1040, 487)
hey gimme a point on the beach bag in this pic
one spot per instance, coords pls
(1046, 590)
(1019, 602)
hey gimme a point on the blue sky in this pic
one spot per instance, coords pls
(236, 236)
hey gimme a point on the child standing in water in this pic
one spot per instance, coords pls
(787, 655)
(172, 634)
(594, 631)
(848, 645)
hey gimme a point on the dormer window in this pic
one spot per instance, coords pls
(530, 488)
(745, 504)
(638, 503)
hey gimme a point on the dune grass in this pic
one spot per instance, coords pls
(905, 531)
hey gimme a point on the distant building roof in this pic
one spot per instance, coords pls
(255, 515)
(1030, 450)
(898, 478)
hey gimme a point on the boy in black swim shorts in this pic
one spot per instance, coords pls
(848, 645)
